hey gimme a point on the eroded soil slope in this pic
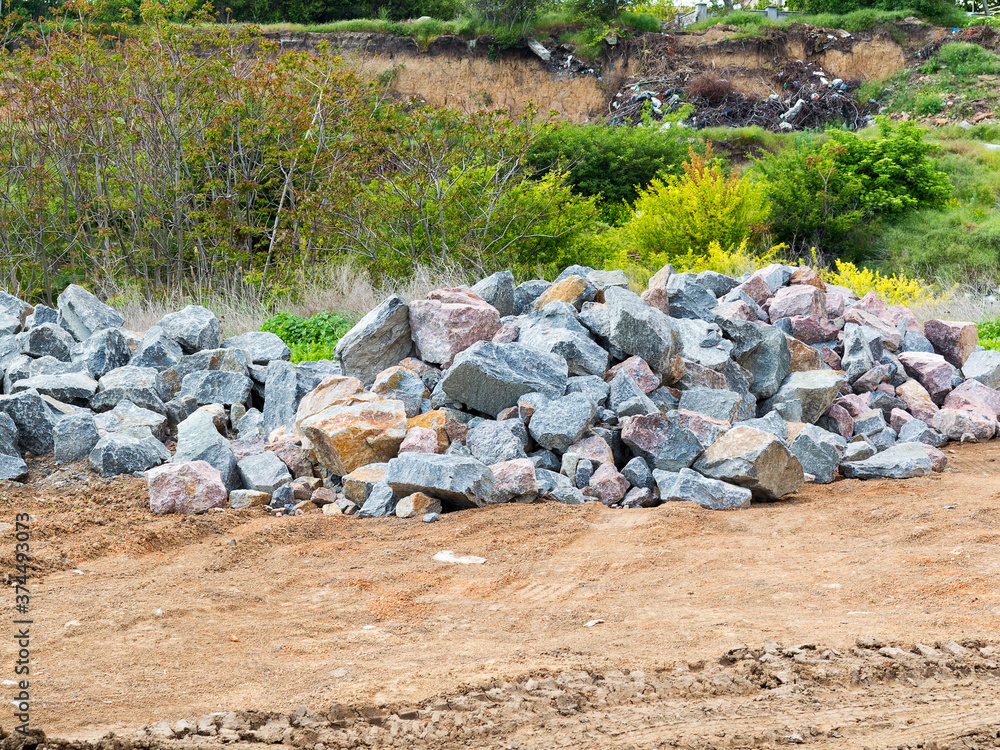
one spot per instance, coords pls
(140, 619)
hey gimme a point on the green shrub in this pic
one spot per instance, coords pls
(940, 12)
(310, 339)
(612, 163)
(820, 193)
(989, 334)
(964, 59)
(928, 103)
(642, 22)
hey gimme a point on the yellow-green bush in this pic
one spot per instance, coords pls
(688, 213)
(895, 289)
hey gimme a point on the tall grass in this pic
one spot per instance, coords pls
(341, 286)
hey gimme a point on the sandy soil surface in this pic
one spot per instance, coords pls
(755, 628)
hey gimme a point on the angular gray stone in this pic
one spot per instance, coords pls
(712, 402)
(915, 341)
(817, 451)
(75, 437)
(74, 387)
(768, 363)
(498, 290)
(492, 442)
(753, 459)
(915, 431)
(103, 351)
(717, 283)
(143, 386)
(626, 398)
(883, 439)
(869, 422)
(859, 449)
(459, 482)
(703, 344)
(562, 421)
(772, 423)
(745, 335)
(583, 355)
(689, 299)
(9, 325)
(127, 417)
(180, 408)
(638, 329)
(555, 315)
(11, 305)
(661, 440)
(42, 314)
(251, 425)
(380, 502)
(225, 360)
(693, 487)
(262, 345)
(638, 474)
(195, 328)
(217, 387)
(815, 389)
(525, 294)
(591, 386)
(489, 378)
(263, 472)
(983, 366)
(157, 350)
(603, 279)
(84, 314)
(199, 439)
(124, 453)
(286, 386)
(379, 340)
(46, 340)
(13, 468)
(568, 495)
(8, 436)
(901, 461)
(862, 350)
(33, 420)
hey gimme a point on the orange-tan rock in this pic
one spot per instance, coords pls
(345, 437)
(433, 420)
(572, 290)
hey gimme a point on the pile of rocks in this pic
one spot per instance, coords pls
(705, 388)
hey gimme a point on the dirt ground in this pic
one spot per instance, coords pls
(765, 627)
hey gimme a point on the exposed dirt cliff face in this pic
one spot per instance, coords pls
(457, 73)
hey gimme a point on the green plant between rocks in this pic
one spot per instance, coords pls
(310, 339)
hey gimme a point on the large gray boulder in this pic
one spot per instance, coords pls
(559, 423)
(103, 351)
(983, 366)
(661, 440)
(33, 419)
(862, 350)
(157, 350)
(768, 361)
(814, 389)
(11, 305)
(583, 355)
(709, 493)
(489, 377)
(84, 314)
(819, 452)
(901, 461)
(73, 387)
(644, 331)
(492, 442)
(703, 344)
(498, 290)
(12, 466)
(143, 386)
(688, 298)
(459, 482)
(379, 340)
(262, 345)
(285, 387)
(198, 439)
(381, 501)
(75, 437)
(46, 340)
(126, 417)
(916, 431)
(217, 387)
(626, 398)
(126, 453)
(753, 459)
(713, 402)
(9, 325)
(226, 360)
(195, 328)
(263, 472)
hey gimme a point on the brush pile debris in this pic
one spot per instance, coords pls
(705, 388)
